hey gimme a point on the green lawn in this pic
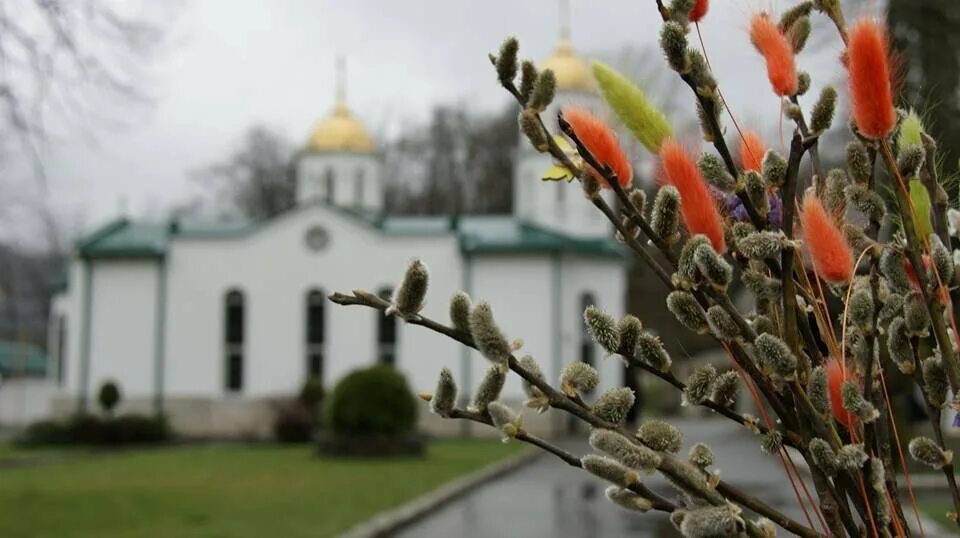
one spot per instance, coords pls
(937, 511)
(226, 491)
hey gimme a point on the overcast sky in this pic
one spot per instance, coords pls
(232, 63)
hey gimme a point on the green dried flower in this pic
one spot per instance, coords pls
(761, 245)
(701, 455)
(490, 387)
(817, 390)
(898, 344)
(835, 199)
(911, 131)
(715, 172)
(408, 299)
(858, 162)
(507, 61)
(660, 435)
(721, 323)
(822, 114)
(854, 402)
(712, 266)
(602, 328)
(686, 275)
(543, 91)
(508, 421)
(771, 442)
(578, 377)
(893, 269)
(866, 201)
(688, 311)
(647, 122)
(445, 397)
(487, 335)
(935, 380)
(625, 451)
(927, 452)
(774, 354)
(774, 168)
(673, 42)
(916, 315)
(665, 215)
(609, 470)
(942, 260)
(460, 311)
(712, 521)
(528, 79)
(724, 388)
(629, 327)
(628, 499)
(851, 457)
(699, 384)
(614, 405)
(823, 456)
(651, 351)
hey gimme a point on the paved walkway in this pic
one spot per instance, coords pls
(548, 498)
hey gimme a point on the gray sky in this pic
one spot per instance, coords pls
(232, 63)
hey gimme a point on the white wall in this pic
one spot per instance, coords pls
(26, 400)
(123, 326)
(275, 270)
(348, 169)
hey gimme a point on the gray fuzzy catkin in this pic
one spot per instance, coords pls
(660, 435)
(410, 294)
(614, 405)
(460, 307)
(665, 214)
(688, 311)
(445, 397)
(487, 336)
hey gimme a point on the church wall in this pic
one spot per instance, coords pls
(123, 326)
(275, 269)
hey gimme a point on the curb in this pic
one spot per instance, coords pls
(387, 523)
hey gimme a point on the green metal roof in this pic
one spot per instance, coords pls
(18, 359)
(123, 238)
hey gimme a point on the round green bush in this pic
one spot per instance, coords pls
(109, 396)
(371, 401)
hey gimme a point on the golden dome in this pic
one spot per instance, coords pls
(572, 71)
(341, 131)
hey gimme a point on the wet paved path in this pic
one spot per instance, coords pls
(549, 498)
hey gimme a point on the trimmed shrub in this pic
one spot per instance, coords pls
(109, 396)
(312, 393)
(294, 423)
(95, 431)
(371, 401)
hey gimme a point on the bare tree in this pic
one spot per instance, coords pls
(258, 180)
(71, 63)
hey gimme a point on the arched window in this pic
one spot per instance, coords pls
(358, 188)
(329, 186)
(316, 333)
(386, 334)
(61, 348)
(233, 339)
(588, 350)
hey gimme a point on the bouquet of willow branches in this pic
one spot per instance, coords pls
(817, 376)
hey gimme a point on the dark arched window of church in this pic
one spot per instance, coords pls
(316, 332)
(386, 334)
(233, 339)
(329, 186)
(588, 350)
(358, 186)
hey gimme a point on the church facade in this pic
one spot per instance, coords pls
(213, 324)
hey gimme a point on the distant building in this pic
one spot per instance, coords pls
(210, 323)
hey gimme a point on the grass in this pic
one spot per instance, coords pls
(223, 491)
(937, 511)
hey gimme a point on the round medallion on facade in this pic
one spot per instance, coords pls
(317, 238)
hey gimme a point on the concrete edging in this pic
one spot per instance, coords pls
(387, 523)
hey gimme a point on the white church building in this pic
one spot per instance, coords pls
(213, 323)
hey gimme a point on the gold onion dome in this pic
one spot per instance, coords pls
(572, 71)
(341, 131)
